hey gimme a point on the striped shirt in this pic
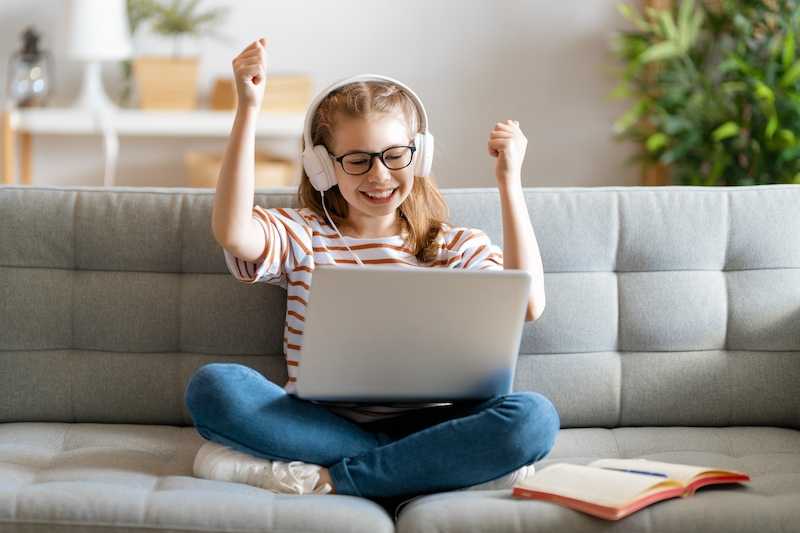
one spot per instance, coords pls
(299, 239)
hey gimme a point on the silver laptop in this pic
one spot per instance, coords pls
(387, 333)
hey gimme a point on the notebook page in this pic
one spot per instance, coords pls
(603, 487)
(683, 473)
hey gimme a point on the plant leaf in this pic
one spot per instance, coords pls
(787, 57)
(741, 23)
(720, 162)
(734, 63)
(693, 28)
(659, 52)
(726, 131)
(685, 12)
(668, 25)
(787, 136)
(733, 87)
(656, 141)
(791, 75)
(655, 27)
(763, 92)
(772, 125)
(631, 14)
(629, 118)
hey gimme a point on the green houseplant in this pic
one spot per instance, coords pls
(169, 81)
(715, 90)
(181, 19)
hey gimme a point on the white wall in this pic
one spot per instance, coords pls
(473, 63)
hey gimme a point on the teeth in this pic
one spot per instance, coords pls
(380, 195)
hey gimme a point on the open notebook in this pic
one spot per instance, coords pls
(614, 488)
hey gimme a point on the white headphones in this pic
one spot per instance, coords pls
(318, 163)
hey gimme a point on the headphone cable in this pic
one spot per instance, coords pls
(322, 193)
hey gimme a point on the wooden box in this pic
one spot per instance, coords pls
(289, 93)
(165, 82)
(202, 170)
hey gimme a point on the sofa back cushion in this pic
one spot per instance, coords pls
(665, 306)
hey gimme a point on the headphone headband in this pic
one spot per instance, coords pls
(312, 108)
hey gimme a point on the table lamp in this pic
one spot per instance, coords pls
(97, 30)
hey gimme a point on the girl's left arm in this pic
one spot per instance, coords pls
(520, 249)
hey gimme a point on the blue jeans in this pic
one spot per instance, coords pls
(430, 450)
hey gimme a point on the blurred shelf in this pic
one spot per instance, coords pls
(26, 122)
(200, 123)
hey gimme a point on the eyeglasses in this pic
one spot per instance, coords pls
(393, 158)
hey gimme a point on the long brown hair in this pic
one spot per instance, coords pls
(424, 212)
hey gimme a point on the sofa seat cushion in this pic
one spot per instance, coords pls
(769, 502)
(121, 477)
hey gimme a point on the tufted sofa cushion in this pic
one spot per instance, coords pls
(126, 477)
(123, 477)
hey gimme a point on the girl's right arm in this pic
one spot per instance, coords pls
(232, 222)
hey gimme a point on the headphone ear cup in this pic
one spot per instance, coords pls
(319, 168)
(327, 166)
(312, 167)
(424, 144)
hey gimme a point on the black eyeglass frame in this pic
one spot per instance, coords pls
(372, 156)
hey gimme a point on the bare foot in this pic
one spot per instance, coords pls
(325, 477)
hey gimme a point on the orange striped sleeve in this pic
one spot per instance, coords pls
(288, 239)
(267, 268)
(477, 252)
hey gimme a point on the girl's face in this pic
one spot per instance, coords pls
(374, 133)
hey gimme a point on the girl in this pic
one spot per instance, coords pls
(382, 209)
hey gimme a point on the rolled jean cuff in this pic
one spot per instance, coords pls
(343, 483)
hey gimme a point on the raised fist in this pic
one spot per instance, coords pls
(250, 74)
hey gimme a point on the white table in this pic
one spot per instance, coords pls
(24, 123)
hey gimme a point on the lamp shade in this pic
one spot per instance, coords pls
(97, 30)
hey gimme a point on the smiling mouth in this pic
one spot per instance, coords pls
(379, 194)
(379, 197)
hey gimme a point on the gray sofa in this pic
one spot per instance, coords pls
(672, 332)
